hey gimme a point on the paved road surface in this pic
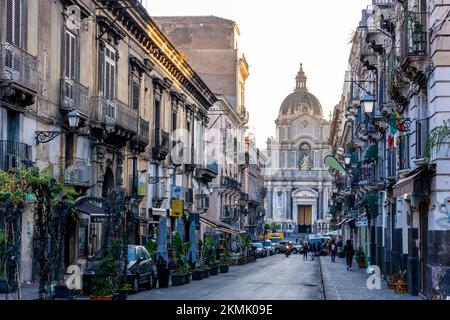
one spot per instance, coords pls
(271, 278)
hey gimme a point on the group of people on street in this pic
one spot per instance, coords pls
(332, 247)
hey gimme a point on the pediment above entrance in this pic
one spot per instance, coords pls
(305, 194)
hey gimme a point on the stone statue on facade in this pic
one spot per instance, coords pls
(306, 164)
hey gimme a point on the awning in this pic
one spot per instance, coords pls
(405, 185)
(90, 209)
(219, 225)
(371, 153)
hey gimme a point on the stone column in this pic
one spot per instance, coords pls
(26, 258)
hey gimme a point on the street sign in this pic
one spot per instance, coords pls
(361, 223)
(177, 192)
(177, 208)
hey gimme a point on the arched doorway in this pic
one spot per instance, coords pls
(108, 182)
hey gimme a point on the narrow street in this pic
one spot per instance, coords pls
(271, 278)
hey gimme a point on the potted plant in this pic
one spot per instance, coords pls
(198, 273)
(122, 292)
(151, 248)
(225, 261)
(163, 273)
(401, 284)
(179, 276)
(103, 284)
(214, 264)
(186, 267)
(360, 258)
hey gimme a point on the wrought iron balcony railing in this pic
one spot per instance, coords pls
(212, 165)
(161, 147)
(144, 131)
(18, 67)
(78, 172)
(403, 149)
(74, 96)
(103, 110)
(126, 117)
(12, 155)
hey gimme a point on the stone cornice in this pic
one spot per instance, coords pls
(139, 24)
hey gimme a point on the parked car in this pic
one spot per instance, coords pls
(269, 246)
(297, 247)
(258, 248)
(141, 271)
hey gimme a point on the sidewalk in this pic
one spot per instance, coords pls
(28, 292)
(341, 284)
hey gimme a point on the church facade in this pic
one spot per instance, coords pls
(297, 181)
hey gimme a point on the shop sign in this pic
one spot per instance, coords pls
(362, 223)
(99, 219)
(177, 208)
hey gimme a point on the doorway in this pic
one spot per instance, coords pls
(423, 212)
(304, 219)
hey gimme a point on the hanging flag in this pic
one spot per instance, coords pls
(390, 142)
(392, 126)
(400, 125)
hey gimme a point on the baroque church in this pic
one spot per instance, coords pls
(297, 180)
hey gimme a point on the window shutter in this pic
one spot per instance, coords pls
(14, 22)
(136, 88)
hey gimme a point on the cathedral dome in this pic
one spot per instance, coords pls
(301, 101)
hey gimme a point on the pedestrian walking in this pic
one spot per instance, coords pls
(305, 251)
(349, 252)
(313, 250)
(333, 251)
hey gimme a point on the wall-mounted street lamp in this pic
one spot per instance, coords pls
(74, 123)
(348, 158)
(171, 168)
(368, 102)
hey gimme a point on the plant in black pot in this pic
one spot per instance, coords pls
(179, 276)
(225, 261)
(163, 271)
(214, 263)
(187, 268)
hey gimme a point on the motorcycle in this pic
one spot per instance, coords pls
(288, 251)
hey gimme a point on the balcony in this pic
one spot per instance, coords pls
(209, 172)
(126, 117)
(422, 132)
(78, 173)
(414, 48)
(18, 74)
(143, 137)
(161, 147)
(12, 155)
(103, 110)
(74, 96)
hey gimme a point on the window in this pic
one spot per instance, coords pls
(14, 22)
(109, 78)
(135, 93)
(71, 56)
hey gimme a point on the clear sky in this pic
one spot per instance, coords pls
(276, 36)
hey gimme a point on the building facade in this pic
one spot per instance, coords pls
(211, 46)
(297, 181)
(141, 111)
(394, 203)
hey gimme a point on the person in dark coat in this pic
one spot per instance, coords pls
(313, 250)
(349, 253)
(305, 250)
(333, 251)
